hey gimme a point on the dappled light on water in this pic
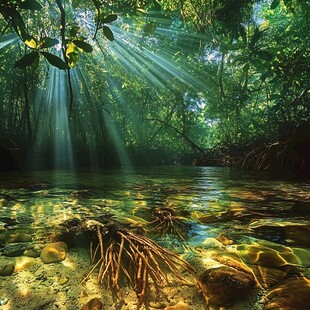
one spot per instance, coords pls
(211, 218)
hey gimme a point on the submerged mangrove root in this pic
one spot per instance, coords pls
(122, 254)
(167, 222)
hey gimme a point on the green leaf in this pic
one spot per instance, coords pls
(108, 19)
(30, 5)
(96, 4)
(265, 75)
(47, 42)
(246, 67)
(17, 22)
(74, 30)
(264, 55)
(75, 3)
(275, 97)
(255, 38)
(243, 34)
(149, 28)
(71, 48)
(108, 33)
(274, 4)
(141, 10)
(83, 45)
(26, 60)
(55, 60)
(72, 54)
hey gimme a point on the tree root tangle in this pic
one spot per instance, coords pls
(123, 255)
(167, 222)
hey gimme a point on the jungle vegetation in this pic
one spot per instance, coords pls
(146, 82)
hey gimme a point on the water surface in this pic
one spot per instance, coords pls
(211, 215)
(211, 201)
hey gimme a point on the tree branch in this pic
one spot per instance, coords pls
(63, 48)
(192, 143)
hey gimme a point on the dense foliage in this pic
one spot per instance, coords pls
(152, 81)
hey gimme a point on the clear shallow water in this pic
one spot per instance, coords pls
(220, 217)
(209, 201)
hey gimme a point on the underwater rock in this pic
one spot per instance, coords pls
(178, 306)
(212, 243)
(273, 256)
(298, 235)
(68, 238)
(268, 277)
(23, 263)
(223, 285)
(224, 240)
(31, 253)
(292, 294)
(6, 268)
(14, 249)
(63, 280)
(54, 252)
(93, 304)
(234, 262)
(283, 232)
(19, 237)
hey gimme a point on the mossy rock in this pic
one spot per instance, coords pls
(6, 269)
(291, 294)
(54, 252)
(223, 285)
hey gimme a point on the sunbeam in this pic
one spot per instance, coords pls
(154, 60)
(52, 127)
(8, 39)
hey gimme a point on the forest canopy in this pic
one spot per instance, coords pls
(106, 82)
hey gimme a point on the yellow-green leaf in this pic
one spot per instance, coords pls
(31, 42)
(71, 48)
(73, 59)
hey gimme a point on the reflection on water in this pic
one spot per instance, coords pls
(263, 219)
(213, 201)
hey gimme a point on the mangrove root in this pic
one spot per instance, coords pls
(121, 254)
(167, 222)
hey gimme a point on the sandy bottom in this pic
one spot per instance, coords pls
(60, 286)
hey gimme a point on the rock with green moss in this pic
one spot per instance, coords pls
(54, 252)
